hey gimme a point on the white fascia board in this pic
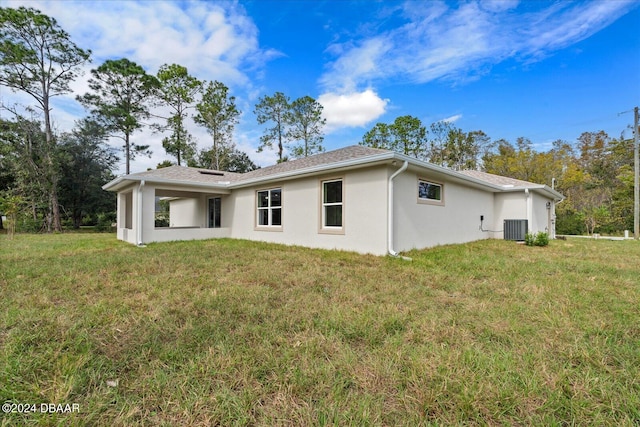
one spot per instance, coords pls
(117, 184)
(448, 172)
(557, 196)
(545, 190)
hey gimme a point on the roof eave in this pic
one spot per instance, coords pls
(123, 181)
(449, 172)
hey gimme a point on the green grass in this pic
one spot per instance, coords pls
(228, 332)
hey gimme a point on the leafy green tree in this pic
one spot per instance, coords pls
(273, 109)
(462, 150)
(26, 147)
(119, 101)
(520, 161)
(437, 142)
(305, 122)
(37, 57)
(11, 206)
(623, 199)
(410, 136)
(218, 113)
(239, 162)
(378, 137)
(178, 91)
(405, 135)
(7, 177)
(164, 164)
(86, 165)
(231, 160)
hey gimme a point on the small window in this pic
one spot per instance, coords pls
(215, 210)
(269, 208)
(332, 205)
(430, 192)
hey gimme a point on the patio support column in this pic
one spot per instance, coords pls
(140, 211)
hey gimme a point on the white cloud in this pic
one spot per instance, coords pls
(353, 109)
(456, 43)
(452, 119)
(213, 40)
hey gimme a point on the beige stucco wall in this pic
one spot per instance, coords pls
(511, 205)
(419, 225)
(187, 212)
(416, 225)
(517, 205)
(541, 216)
(127, 209)
(365, 213)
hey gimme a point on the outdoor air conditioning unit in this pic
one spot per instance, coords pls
(515, 229)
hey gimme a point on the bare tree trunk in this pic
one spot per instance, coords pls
(51, 169)
(127, 150)
(55, 208)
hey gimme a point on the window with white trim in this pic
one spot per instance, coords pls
(332, 204)
(269, 204)
(430, 192)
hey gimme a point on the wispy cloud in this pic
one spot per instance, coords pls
(441, 42)
(452, 119)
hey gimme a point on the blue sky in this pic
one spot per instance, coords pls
(538, 69)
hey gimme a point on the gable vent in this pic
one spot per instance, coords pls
(515, 229)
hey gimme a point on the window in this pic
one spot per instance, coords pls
(430, 192)
(269, 208)
(215, 209)
(332, 204)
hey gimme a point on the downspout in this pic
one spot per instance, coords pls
(390, 211)
(139, 224)
(529, 208)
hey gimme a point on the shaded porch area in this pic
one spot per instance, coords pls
(185, 213)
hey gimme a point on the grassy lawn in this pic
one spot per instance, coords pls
(227, 332)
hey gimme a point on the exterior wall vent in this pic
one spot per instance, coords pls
(515, 229)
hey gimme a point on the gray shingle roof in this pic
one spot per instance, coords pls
(500, 180)
(335, 156)
(181, 173)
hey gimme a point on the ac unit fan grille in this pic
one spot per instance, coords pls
(515, 229)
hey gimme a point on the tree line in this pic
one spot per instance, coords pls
(594, 173)
(47, 175)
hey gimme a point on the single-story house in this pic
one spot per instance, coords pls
(355, 198)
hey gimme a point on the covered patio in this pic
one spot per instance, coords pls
(194, 213)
